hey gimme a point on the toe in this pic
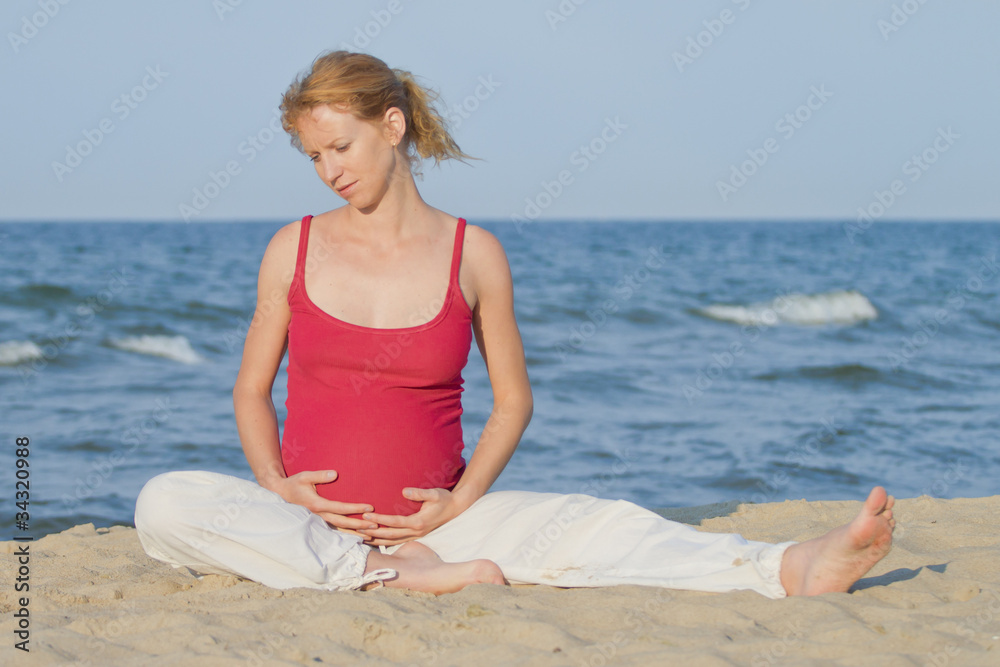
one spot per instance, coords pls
(877, 501)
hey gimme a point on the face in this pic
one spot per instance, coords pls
(355, 158)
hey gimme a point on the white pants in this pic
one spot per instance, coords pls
(219, 524)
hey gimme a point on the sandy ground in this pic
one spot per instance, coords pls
(97, 599)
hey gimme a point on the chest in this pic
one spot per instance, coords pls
(404, 287)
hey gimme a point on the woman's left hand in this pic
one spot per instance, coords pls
(439, 507)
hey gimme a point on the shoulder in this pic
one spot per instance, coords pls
(278, 264)
(485, 254)
(483, 248)
(286, 235)
(284, 241)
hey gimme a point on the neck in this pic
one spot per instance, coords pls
(396, 215)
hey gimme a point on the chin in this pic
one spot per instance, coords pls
(364, 202)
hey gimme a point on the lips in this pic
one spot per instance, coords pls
(346, 189)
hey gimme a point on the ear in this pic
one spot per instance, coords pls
(394, 125)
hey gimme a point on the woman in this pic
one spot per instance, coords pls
(371, 450)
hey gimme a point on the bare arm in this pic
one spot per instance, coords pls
(256, 420)
(500, 344)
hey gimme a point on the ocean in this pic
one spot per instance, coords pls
(672, 364)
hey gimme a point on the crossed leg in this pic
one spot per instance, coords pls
(214, 523)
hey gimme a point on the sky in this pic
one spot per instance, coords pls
(578, 109)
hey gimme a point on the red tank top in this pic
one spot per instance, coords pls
(382, 407)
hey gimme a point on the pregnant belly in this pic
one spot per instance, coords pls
(377, 472)
(382, 487)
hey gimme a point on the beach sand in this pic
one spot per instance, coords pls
(97, 599)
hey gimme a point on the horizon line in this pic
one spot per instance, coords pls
(784, 220)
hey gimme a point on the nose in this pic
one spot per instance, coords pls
(330, 170)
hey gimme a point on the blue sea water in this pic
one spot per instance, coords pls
(671, 363)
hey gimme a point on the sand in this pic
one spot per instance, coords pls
(97, 599)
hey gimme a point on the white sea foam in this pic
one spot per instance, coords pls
(16, 352)
(176, 348)
(838, 307)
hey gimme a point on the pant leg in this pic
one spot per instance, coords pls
(219, 524)
(581, 541)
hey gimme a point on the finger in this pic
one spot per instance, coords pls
(348, 531)
(421, 495)
(340, 521)
(318, 476)
(335, 507)
(392, 520)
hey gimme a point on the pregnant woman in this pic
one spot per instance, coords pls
(376, 303)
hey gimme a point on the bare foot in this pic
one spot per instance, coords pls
(420, 569)
(833, 562)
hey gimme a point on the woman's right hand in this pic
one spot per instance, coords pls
(300, 489)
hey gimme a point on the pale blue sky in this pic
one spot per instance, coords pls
(886, 96)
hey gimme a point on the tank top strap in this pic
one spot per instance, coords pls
(456, 253)
(300, 258)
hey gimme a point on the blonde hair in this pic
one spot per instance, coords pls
(367, 87)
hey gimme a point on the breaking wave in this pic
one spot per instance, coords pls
(176, 348)
(16, 352)
(838, 307)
